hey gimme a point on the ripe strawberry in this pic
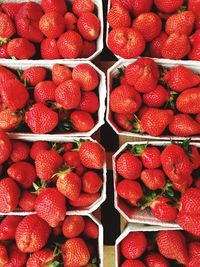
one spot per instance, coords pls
(153, 178)
(184, 125)
(20, 151)
(54, 5)
(34, 75)
(128, 166)
(180, 78)
(194, 249)
(47, 163)
(140, 6)
(154, 259)
(49, 49)
(16, 257)
(157, 44)
(156, 98)
(6, 74)
(32, 225)
(168, 6)
(195, 157)
(73, 226)
(7, 28)
(118, 16)
(189, 222)
(3, 255)
(37, 147)
(89, 26)
(5, 147)
(70, 45)
(9, 120)
(61, 74)
(132, 263)
(70, 21)
(82, 121)
(133, 245)
(89, 102)
(3, 51)
(125, 99)
(188, 101)
(150, 157)
(143, 74)
(79, 7)
(126, 42)
(194, 5)
(41, 119)
(148, 24)
(84, 200)
(195, 52)
(91, 182)
(27, 201)
(41, 257)
(75, 252)
(89, 48)
(11, 9)
(197, 117)
(8, 227)
(68, 94)
(23, 172)
(181, 187)
(92, 155)
(44, 91)
(124, 121)
(21, 48)
(72, 158)
(172, 245)
(91, 229)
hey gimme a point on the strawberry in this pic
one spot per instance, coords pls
(133, 245)
(194, 249)
(82, 121)
(68, 94)
(41, 119)
(130, 191)
(11, 9)
(194, 262)
(70, 21)
(132, 263)
(89, 26)
(91, 182)
(89, 48)
(143, 74)
(194, 5)
(124, 121)
(50, 206)
(32, 225)
(156, 98)
(189, 222)
(37, 147)
(197, 118)
(72, 158)
(195, 157)
(125, 99)
(89, 102)
(79, 7)
(7, 28)
(5, 147)
(54, 5)
(21, 48)
(153, 178)
(195, 52)
(49, 49)
(148, 24)
(168, 6)
(128, 166)
(3, 255)
(157, 44)
(84, 200)
(16, 257)
(184, 125)
(9, 120)
(150, 157)
(70, 45)
(126, 42)
(27, 22)
(8, 227)
(23, 172)
(34, 75)
(172, 245)
(180, 78)
(3, 51)
(52, 24)
(47, 163)
(189, 202)
(118, 16)
(92, 155)
(27, 201)
(6, 74)
(188, 101)
(44, 91)
(73, 226)
(140, 6)
(181, 187)
(20, 151)
(41, 257)
(154, 259)
(86, 76)
(91, 229)
(75, 252)
(61, 74)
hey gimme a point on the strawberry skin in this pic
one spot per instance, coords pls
(27, 201)
(89, 48)
(79, 7)
(49, 49)
(154, 259)
(84, 200)
(16, 257)
(21, 48)
(118, 16)
(132, 263)
(6, 74)
(82, 121)
(44, 91)
(91, 182)
(91, 229)
(20, 151)
(157, 44)
(8, 227)
(3, 255)
(61, 74)
(194, 5)
(153, 178)
(11, 9)
(156, 98)
(37, 147)
(34, 75)
(168, 6)
(9, 120)
(188, 101)
(189, 222)
(151, 158)
(44, 256)
(54, 5)
(124, 121)
(73, 226)
(7, 28)
(5, 147)
(89, 102)
(70, 21)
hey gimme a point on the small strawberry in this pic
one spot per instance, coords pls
(3, 255)
(118, 16)
(70, 21)
(61, 74)
(49, 49)
(27, 201)
(153, 178)
(20, 151)
(124, 121)
(21, 48)
(91, 229)
(91, 182)
(8, 227)
(16, 257)
(82, 121)
(32, 225)
(37, 147)
(168, 6)
(9, 120)
(11, 9)
(41, 257)
(73, 226)
(44, 91)
(154, 259)
(89, 48)
(34, 75)
(156, 98)
(54, 5)
(79, 7)
(151, 157)
(89, 26)
(132, 263)
(7, 28)
(188, 101)
(157, 44)
(5, 147)
(84, 200)
(89, 102)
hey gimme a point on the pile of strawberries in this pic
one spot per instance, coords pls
(53, 30)
(163, 178)
(59, 100)
(164, 248)
(156, 28)
(147, 98)
(30, 241)
(50, 178)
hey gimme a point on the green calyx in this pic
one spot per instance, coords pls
(41, 184)
(3, 41)
(137, 150)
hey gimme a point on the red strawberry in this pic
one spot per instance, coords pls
(30, 226)
(168, 6)
(27, 201)
(151, 157)
(61, 74)
(54, 5)
(156, 98)
(21, 48)
(132, 263)
(89, 48)
(41, 257)
(16, 257)
(189, 202)
(84, 200)
(7, 28)
(125, 99)
(52, 24)
(73, 226)
(189, 222)
(195, 157)
(172, 245)
(3, 51)
(34, 75)
(11, 9)
(133, 245)
(3, 255)
(140, 6)
(79, 7)
(153, 178)
(44, 91)
(70, 45)
(47, 163)
(91, 229)
(75, 252)
(20, 151)
(118, 16)
(23, 172)
(89, 102)
(91, 182)
(9, 120)
(126, 42)
(181, 187)
(188, 101)
(157, 44)
(86, 76)
(129, 166)
(184, 125)
(143, 74)
(180, 78)
(70, 21)
(49, 49)
(155, 259)
(148, 24)
(72, 158)
(37, 147)
(89, 26)
(194, 5)
(41, 119)
(82, 121)
(5, 147)
(194, 249)
(8, 227)
(92, 155)
(6, 74)
(124, 121)
(50, 206)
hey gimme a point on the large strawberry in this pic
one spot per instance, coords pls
(82, 121)
(79, 7)
(84, 200)
(34, 75)
(41, 257)
(8, 227)
(16, 257)
(73, 226)
(7, 28)
(44, 91)
(49, 49)
(168, 6)
(54, 5)
(157, 44)
(118, 16)
(21, 48)
(188, 101)
(5, 147)
(89, 26)
(154, 259)
(9, 120)
(61, 74)
(11, 9)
